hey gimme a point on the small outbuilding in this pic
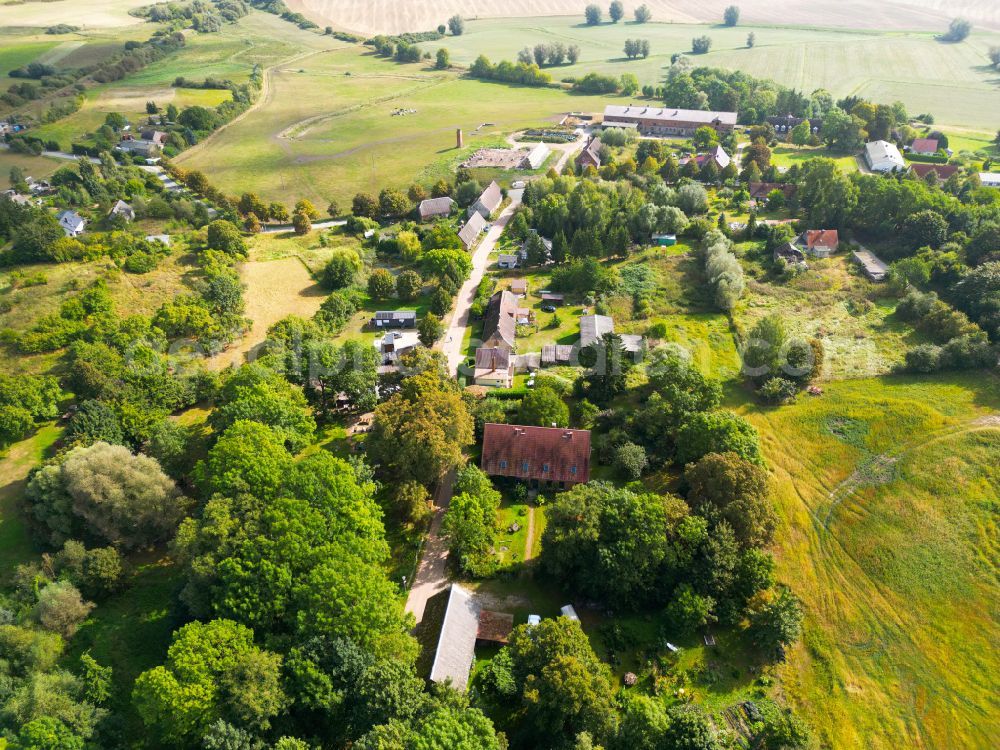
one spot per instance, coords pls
(395, 319)
(664, 240)
(872, 266)
(122, 210)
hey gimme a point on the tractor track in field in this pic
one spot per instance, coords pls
(863, 475)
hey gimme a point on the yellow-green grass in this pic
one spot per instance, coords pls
(127, 100)
(898, 577)
(788, 156)
(15, 53)
(38, 167)
(90, 14)
(132, 294)
(306, 248)
(257, 39)
(16, 544)
(949, 80)
(326, 129)
(828, 302)
(511, 546)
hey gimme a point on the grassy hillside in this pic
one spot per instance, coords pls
(889, 494)
(952, 81)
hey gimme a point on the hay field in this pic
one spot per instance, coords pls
(324, 129)
(949, 80)
(374, 16)
(82, 13)
(889, 492)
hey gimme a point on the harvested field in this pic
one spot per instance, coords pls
(414, 15)
(275, 289)
(89, 14)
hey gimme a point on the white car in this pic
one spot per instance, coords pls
(517, 185)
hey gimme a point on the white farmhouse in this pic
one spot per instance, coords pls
(882, 156)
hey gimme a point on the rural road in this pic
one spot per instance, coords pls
(451, 344)
(59, 155)
(432, 573)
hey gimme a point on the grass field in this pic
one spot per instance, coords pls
(951, 81)
(326, 131)
(889, 495)
(90, 14)
(410, 15)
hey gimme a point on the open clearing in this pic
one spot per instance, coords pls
(952, 81)
(275, 290)
(417, 15)
(899, 575)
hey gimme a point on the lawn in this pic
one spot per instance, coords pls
(788, 156)
(888, 494)
(949, 80)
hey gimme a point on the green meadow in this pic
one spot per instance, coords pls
(889, 495)
(952, 81)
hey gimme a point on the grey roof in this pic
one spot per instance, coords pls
(670, 114)
(436, 207)
(121, 208)
(395, 314)
(553, 354)
(456, 648)
(493, 358)
(876, 151)
(871, 263)
(472, 229)
(593, 328)
(70, 219)
(501, 316)
(506, 258)
(491, 198)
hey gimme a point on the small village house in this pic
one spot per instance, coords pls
(882, 156)
(591, 154)
(395, 319)
(539, 455)
(546, 243)
(989, 179)
(519, 287)
(508, 261)
(469, 234)
(72, 223)
(395, 344)
(790, 254)
(488, 202)
(924, 146)
(154, 136)
(760, 191)
(593, 328)
(819, 243)
(500, 322)
(122, 210)
(494, 367)
(942, 171)
(435, 208)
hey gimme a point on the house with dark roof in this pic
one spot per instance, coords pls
(395, 319)
(791, 255)
(717, 155)
(500, 323)
(546, 243)
(469, 234)
(494, 367)
(519, 287)
(924, 146)
(759, 191)
(557, 354)
(942, 171)
(548, 455)
(154, 136)
(488, 202)
(593, 328)
(435, 208)
(820, 243)
(591, 154)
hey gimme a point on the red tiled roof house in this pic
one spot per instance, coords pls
(820, 243)
(548, 455)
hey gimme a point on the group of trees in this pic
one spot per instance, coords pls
(522, 73)
(616, 12)
(636, 48)
(722, 270)
(552, 54)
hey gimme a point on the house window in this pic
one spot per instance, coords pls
(545, 468)
(572, 470)
(524, 466)
(503, 464)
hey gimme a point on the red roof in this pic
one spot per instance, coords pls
(924, 146)
(944, 171)
(544, 453)
(822, 238)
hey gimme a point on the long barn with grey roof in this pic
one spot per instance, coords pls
(668, 120)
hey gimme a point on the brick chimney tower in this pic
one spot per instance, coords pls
(459, 140)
